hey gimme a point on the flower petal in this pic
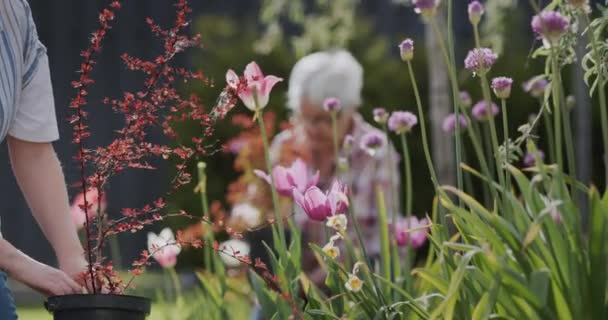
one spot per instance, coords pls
(253, 72)
(232, 79)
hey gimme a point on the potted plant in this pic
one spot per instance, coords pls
(156, 105)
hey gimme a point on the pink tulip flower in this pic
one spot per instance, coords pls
(95, 203)
(164, 248)
(406, 235)
(254, 88)
(295, 176)
(318, 205)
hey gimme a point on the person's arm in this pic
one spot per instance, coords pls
(41, 180)
(40, 277)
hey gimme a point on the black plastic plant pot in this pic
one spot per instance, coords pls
(98, 307)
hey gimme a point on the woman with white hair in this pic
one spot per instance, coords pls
(315, 78)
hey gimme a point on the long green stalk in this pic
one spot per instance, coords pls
(557, 124)
(209, 236)
(282, 245)
(407, 170)
(550, 134)
(425, 141)
(494, 136)
(385, 251)
(505, 129)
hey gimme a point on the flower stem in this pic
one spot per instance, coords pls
(425, 142)
(488, 99)
(202, 188)
(275, 197)
(505, 129)
(385, 253)
(555, 87)
(550, 134)
(407, 171)
(177, 286)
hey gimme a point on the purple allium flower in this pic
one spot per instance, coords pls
(402, 121)
(480, 60)
(502, 87)
(536, 86)
(530, 161)
(406, 49)
(465, 99)
(380, 115)
(550, 25)
(427, 8)
(348, 143)
(449, 123)
(332, 104)
(476, 10)
(480, 111)
(371, 142)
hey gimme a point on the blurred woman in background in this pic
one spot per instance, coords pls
(314, 79)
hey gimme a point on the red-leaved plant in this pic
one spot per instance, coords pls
(157, 105)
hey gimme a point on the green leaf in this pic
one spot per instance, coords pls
(487, 301)
(597, 253)
(539, 285)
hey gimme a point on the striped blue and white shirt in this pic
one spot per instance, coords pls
(27, 108)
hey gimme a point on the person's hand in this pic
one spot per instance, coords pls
(44, 279)
(76, 267)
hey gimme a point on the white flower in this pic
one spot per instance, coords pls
(331, 250)
(337, 222)
(353, 284)
(164, 248)
(247, 213)
(232, 248)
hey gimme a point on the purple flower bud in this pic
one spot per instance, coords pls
(371, 142)
(481, 112)
(476, 10)
(380, 115)
(536, 86)
(426, 8)
(550, 25)
(348, 143)
(449, 123)
(530, 161)
(465, 99)
(480, 60)
(332, 104)
(406, 49)
(402, 122)
(502, 87)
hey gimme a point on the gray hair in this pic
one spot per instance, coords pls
(325, 74)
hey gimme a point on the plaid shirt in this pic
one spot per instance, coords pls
(364, 174)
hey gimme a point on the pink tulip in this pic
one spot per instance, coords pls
(405, 235)
(295, 176)
(254, 88)
(318, 205)
(164, 248)
(95, 203)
